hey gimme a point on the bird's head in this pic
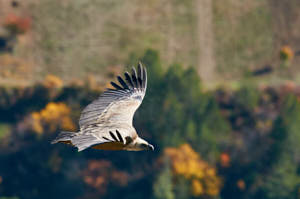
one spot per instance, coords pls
(141, 144)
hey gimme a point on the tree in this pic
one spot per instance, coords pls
(163, 186)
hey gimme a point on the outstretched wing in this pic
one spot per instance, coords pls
(118, 105)
(108, 139)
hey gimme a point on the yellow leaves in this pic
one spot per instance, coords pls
(286, 53)
(51, 81)
(213, 186)
(67, 123)
(52, 117)
(186, 162)
(197, 187)
(54, 110)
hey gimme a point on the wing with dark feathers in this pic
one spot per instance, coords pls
(119, 104)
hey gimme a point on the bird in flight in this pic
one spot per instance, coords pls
(106, 123)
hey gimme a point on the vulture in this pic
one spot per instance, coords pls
(106, 123)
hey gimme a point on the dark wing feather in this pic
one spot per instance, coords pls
(119, 104)
(115, 85)
(122, 83)
(140, 75)
(134, 77)
(129, 80)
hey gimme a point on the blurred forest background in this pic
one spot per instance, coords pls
(222, 107)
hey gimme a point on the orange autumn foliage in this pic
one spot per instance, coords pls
(186, 162)
(225, 160)
(286, 53)
(197, 187)
(52, 117)
(17, 24)
(241, 184)
(100, 173)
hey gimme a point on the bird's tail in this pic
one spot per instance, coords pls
(64, 137)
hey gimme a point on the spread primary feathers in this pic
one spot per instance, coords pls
(106, 123)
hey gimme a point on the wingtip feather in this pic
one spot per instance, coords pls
(145, 78)
(128, 79)
(116, 86)
(122, 82)
(134, 77)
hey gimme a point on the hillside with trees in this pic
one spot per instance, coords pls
(220, 144)
(223, 112)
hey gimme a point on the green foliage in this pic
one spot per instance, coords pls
(182, 188)
(9, 198)
(214, 132)
(248, 96)
(282, 182)
(4, 130)
(249, 136)
(152, 60)
(286, 129)
(163, 186)
(179, 111)
(191, 130)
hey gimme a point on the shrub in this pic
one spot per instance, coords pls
(16, 24)
(54, 116)
(187, 163)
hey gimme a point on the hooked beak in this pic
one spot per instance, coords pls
(150, 147)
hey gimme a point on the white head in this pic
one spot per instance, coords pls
(139, 144)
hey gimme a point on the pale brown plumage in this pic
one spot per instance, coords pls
(106, 123)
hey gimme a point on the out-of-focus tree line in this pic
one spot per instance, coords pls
(224, 143)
